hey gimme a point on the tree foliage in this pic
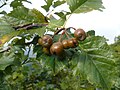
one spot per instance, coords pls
(116, 48)
(25, 66)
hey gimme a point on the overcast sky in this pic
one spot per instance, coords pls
(106, 23)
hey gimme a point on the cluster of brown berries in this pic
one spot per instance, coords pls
(57, 48)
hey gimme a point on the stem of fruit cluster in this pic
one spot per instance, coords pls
(72, 28)
(60, 37)
(67, 34)
(58, 31)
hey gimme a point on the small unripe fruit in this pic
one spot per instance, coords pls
(0, 42)
(80, 34)
(46, 50)
(57, 48)
(65, 44)
(40, 41)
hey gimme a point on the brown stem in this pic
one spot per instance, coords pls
(60, 37)
(72, 28)
(66, 33)
(29, 26)
(58, 31)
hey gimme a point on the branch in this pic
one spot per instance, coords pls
(29, 26)
(58, 30)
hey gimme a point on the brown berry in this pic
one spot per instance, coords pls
(65, 44)
(80, 34)
(71, 43)
(46, 41)
(75, 41)
(57, 48)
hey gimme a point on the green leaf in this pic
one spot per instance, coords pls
(99, 49)
(59, 65)
(15, 18)
(58, 3)
(62, 15)
(6, 60)
(38, 16)
(91, 33)
(16, 3)
(83, 6)
(96, 62)
(93, 72)
(5, 26)
(49, 3)
(6, 30)
(56, 23)
(26, 16)
(52, 63)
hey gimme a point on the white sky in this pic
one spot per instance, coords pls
(106, 23)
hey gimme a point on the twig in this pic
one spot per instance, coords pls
(59, 30)
(29, 26)
(72, 28)
(66, 33)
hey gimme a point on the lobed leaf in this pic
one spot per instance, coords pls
(58, 3)
(56, 23)
(17, 3)
(20, 16)
(26, 16)
(83, 6)
(6, 60)
(96, 62)
(5, 26)
(6, 30)
(48, 4)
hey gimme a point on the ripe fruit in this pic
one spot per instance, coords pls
(65, 44)
(70, 43)
(75, 41)
(45, 41)
(80, 34)
(57, 48)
